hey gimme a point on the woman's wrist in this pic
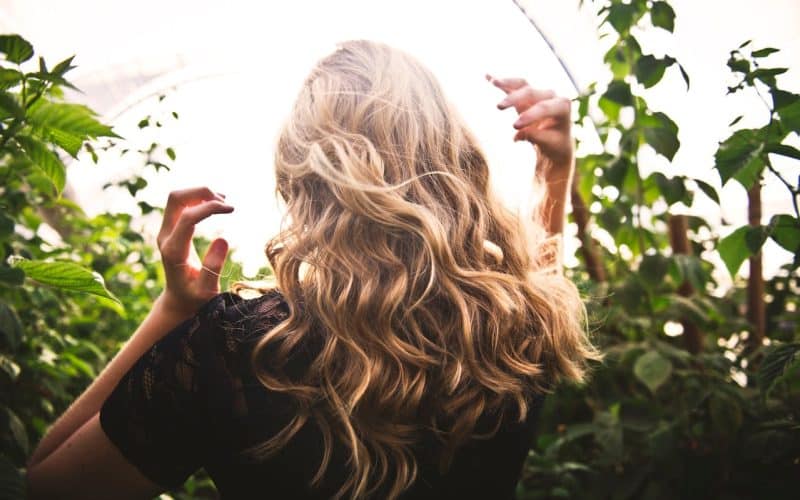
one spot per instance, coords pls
(553, 172)
(173, 308)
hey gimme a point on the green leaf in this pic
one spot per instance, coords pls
(662, 16)
(16, 428)
(608, 432)
(46, 160)
(70, 143)
(755, 238)
(6, 226)
(10, 326)
(787, 105)
(684, 74)
(63, 67)
(782, 99)
(617, 60)
(790, 116)
(785, 230)
(11, 369)
(9, 78)
(681, 307)
(16, 48)
(79, 364)
(65, 275)
(661, 133)
(733, 249)
(726, 415)
(673, 189)
(767, 75)
(737, 64)
(776, 359)
(616, 171)
(707, 189)
(10, 104)
(652, 369)
(12, 481)
(783, 150)
(649, 69)
(764, 52)
(171, 154)
(622, 16)
(653, 268)
(73, 119)
(690, 270)
(11, 275)
(739, 157)
(620, 92)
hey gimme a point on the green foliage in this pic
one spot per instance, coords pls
(67, 302)
(661, 418)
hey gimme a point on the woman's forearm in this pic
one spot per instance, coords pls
(552, 209)
(161, 319)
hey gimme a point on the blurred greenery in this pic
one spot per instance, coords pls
(699, 394)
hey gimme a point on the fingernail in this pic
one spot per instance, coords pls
(517, 124)
(502, 104)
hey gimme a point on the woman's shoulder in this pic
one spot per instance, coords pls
(236, 309)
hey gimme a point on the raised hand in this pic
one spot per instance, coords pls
(544, 120)
(190, 282)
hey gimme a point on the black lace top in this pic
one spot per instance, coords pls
(193, 401)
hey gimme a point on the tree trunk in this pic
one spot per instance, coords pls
(580, 212)
(679, 241)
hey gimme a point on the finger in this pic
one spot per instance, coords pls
(507, 84)
(541, 137)
(176, 244)
(213, 262)
(557, 109)
(525, 97)
(190, 216)
(180, 199)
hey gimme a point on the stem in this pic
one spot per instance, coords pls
(786, 183)
(679, 241)
(756, 309)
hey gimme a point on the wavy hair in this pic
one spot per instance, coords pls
(429, 306)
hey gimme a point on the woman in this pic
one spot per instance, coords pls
(412, 334)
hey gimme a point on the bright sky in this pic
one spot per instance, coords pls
(231, 70)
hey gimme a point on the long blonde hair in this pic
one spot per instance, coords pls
(429, 305)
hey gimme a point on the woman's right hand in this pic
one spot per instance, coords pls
(190, 282)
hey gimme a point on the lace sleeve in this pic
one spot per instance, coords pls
(163, 412)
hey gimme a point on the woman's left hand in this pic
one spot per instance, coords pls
(190, 282)
(544, 120)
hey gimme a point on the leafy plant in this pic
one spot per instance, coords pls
(71, 287)
(689, 402)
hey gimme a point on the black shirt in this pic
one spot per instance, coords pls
(193, 401)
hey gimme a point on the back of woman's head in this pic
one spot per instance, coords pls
(425, 302)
